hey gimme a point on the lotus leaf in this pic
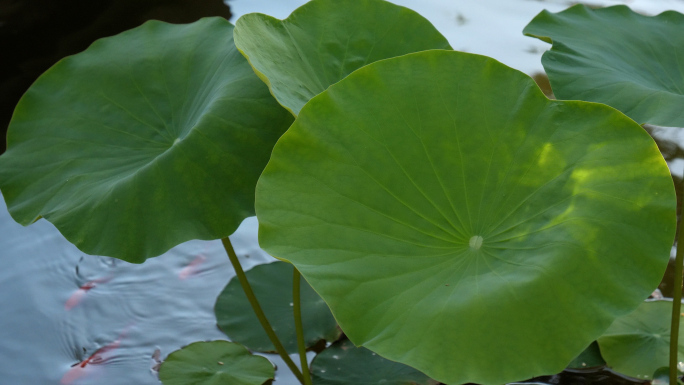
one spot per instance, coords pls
(325, 40)
(662, 376)
(618, 57)
(458, 221)
(272, 285)
(344, 364)
(638, 344)
(215, 363)
(590, 357)
(145, 140)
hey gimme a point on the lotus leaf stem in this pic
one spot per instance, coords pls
(257, 309)
(677, 300)
(297, 308)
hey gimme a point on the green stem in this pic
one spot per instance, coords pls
(296, 301)
(676, 301)
(257, 309)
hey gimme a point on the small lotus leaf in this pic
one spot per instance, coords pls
(344, 364)
(325, 40)
(272, 285)
(458, 221)
(215, 363)
(590, 357)
(615, 56)
(638, 344)
(661, 376)
(145, 140)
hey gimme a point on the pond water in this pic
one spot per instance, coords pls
(60, 306)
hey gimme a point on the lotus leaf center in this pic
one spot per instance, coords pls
(176, 141)
(475, 242)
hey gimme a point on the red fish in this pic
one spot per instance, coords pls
(84, 367)
(192, 267)
(79, 294)
(74, 374)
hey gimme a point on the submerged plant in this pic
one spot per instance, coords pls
(451, 216)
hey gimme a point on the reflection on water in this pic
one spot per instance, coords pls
(84, 320)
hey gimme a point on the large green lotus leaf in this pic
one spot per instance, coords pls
(325, 40)
(145, 140)
(344, 364)
(458, 221)
(638, 344)
(632, 62)
(272, 285)
(215, 363)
